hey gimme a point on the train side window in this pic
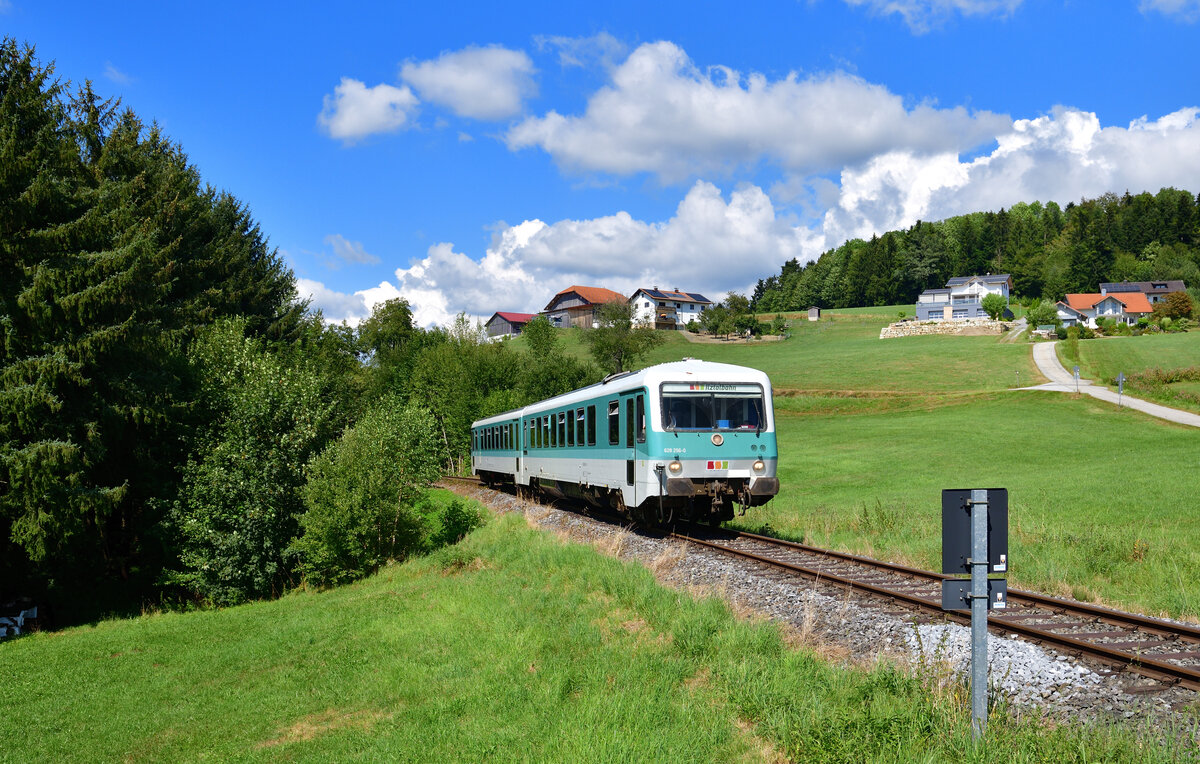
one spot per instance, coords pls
(641, 419)
(512, 435)
(507, 432)
(591, 425)
(629, 422)
(553, 432)
(536, 428)
(570, 428)
(562, 429)
(614, 423)
(579, 426)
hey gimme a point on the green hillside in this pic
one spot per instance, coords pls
(871, 430)
(511, 646)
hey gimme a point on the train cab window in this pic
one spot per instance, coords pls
(579, 429)
(591, 425)
(712, 406)
(614, 423)
(629, 422)
(641, 419)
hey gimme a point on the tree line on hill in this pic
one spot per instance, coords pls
(1048, 250)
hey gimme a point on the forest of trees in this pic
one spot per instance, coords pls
(176, 427)
(1048, 250)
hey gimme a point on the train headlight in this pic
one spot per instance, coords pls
(759, 465)
(675, 467)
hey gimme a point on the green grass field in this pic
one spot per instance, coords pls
(871, 431)
(1103, 358)
(511, 646)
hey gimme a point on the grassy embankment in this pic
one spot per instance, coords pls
(1103, 358)
(511, 646)
(1102, 500)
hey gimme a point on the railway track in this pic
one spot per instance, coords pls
(1162, 650)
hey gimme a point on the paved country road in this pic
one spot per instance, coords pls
(1061, 379)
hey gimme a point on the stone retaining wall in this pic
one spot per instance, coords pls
(970, 326)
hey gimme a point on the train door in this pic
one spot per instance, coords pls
(634, 421)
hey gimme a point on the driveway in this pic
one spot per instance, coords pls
(1062, 380)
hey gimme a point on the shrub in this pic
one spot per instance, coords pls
(457, 519)
(366, 494)
(242, 489)
(1061, 332)
(693, 327)
(1042, 314)
(779, 324)
(993, 305)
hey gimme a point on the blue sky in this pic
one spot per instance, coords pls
(482, 156)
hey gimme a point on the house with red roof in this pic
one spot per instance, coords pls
(576, 305)
(1123, 307)
(503, 324)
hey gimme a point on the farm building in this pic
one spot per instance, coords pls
(962, 298)
(503, 324)
(667, 309)
(576, 305)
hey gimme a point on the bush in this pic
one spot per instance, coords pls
(1061, 332)
(456, 520)
(1042, 314)
(993, 305)
(366, 495)
(242, 489)
(693, 327)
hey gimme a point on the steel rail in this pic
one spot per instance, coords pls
(1142, 664)
(1116, 617)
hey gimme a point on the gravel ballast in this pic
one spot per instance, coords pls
(855, 629)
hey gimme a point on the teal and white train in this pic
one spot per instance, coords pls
(678, 440)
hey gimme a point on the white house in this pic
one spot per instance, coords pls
(962, 298)
(667, 309)
(1123, 307)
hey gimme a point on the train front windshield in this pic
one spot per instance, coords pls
(711, 407)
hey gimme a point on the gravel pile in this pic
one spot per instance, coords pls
(855, 630)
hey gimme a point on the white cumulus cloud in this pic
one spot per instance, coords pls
(661, 114)
(355, 111)
(488, 83)
(710, 246)
(1186, 10)
(350, 251)
(921, 15)
(1063, 156)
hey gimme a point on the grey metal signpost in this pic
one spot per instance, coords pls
(1076, 372)
(1120, 387)
(984, 550)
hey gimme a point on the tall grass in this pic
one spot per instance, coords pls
(510, 646)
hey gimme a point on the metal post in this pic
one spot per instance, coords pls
(979, 608)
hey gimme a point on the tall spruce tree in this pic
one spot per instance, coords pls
(114, 256)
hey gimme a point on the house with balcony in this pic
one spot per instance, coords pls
(1155, 291)
(1122, 307)
(576, 305)
(667, 309)
(962, 297)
